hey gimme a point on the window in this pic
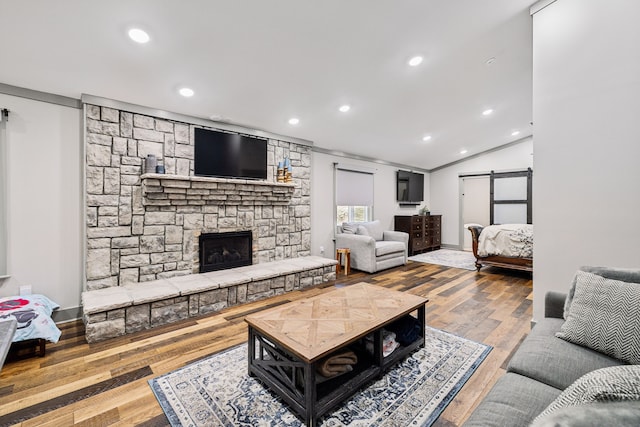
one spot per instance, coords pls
(511, 197)
(354, 195)
(354, 213)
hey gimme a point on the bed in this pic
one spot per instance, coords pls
(506, 246)
(34, 323)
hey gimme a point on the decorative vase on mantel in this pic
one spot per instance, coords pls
(150, 163)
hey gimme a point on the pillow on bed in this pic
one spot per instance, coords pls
(33, 314)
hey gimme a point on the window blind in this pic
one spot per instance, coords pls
(354, 188)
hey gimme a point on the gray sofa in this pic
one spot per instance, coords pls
(372, 248)
(546, 366)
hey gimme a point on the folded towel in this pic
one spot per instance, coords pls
(389, 343)
(337, 364)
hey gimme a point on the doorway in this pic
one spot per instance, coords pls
(474, 205)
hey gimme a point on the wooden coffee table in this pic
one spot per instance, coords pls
(286, 343)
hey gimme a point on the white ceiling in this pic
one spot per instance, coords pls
(259, 63)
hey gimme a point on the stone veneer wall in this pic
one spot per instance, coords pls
(134, 239)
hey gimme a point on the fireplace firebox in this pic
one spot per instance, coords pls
(219, 251)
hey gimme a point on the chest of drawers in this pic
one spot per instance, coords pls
(424, 231)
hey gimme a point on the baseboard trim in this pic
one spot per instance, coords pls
(67, 315)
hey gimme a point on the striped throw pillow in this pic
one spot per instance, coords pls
(605, 316)
(612, 384)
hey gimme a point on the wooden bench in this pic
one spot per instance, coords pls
(116, 311)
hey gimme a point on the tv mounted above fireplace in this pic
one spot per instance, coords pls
(229, 155)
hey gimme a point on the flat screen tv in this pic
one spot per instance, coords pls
(229, 155)
(410, 188)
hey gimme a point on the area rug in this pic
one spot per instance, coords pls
(448, 258)
(217, 391)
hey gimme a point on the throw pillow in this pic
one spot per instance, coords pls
(374, 228)
(612, 384)
(629, 275)
(619, 414)
(362, 231)
(349, 227)
(604, 317)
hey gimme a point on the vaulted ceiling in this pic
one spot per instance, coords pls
(261, 63)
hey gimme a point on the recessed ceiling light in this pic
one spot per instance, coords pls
(487, 112)
(138, 35)
(186, 92)
(490, 60)
(415, 61)
(294, 121)
(426, 138)
(463, 151)
(344, 108)
(515, 132)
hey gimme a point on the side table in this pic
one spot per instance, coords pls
(343, 254)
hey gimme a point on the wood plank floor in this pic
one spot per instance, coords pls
(105, 383)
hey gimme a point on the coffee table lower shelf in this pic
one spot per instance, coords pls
(295, 381)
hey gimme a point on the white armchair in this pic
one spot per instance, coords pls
(372, 248)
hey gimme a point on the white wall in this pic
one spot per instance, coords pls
(445, 191)
(586, 104)
(322, 198)
(44, 219)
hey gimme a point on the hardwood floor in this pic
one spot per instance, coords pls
(106, 383)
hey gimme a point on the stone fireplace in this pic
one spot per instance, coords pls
(143, 227)
(219, 251)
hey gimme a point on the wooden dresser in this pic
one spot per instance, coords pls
(424, 231)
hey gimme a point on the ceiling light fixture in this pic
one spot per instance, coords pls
(294, 121)
(487, 112)
(186, 92)
(426, 138)
(139, 36)
(463, 151)
(344, 108)
(415, 61)
(515, 133)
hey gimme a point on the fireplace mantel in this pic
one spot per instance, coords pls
(177, 190)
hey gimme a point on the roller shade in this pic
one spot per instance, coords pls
(354, 188)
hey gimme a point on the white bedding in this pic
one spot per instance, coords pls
(509, 240)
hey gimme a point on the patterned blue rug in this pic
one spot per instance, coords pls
(448, 258)
(217, 391)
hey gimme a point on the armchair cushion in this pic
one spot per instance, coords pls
(388, 247)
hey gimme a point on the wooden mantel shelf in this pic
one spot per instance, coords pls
(178, 190)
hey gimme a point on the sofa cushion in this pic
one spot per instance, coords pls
(616, 383)
(619, 414)
(384, 247)
(604, 317)
(514, 401)
(629, 275)
(558, 363)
